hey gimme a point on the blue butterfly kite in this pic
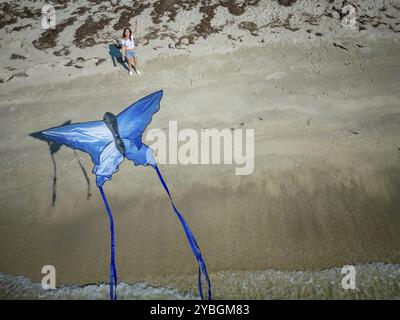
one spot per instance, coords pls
(110, 141)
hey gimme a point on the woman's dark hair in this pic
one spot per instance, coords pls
(130, 33)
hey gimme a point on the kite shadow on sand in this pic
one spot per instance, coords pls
(54, 147)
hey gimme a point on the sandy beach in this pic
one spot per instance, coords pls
(324, 103)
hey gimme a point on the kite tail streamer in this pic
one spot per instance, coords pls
(192, 242)
(113, 270)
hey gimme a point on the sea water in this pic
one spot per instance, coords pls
(373, 281)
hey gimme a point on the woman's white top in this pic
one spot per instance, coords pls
(129, 43)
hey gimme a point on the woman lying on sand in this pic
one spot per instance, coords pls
(129, 49)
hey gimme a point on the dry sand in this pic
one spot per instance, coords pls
(325, 191)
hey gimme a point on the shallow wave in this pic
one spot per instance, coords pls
(20, 287)
(373, 281)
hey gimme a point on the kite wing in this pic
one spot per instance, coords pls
(110, 159)
(133, 120)
(90, 137)
(142, 156)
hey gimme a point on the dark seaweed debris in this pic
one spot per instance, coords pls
(100, 61)
(19, 74)
(277, 23)
(340, 46)
(15, 56)
(19, 28)
(287, 3)
(203, 29)
(126, 13)
(250, 26)
(85, 33)
(48, 39)
(11, 12)
(62, 52)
